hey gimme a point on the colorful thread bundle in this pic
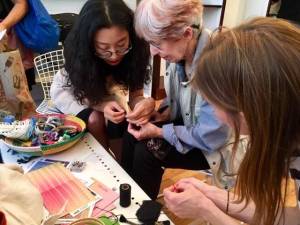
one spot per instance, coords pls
(37, 131)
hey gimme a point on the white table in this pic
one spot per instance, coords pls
(101, 166)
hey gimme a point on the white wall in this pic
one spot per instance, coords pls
(72, 6)
(239, 10)
(211, 17)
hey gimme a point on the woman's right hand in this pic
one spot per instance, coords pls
(186, 201)
(114, 112)
(202, 186)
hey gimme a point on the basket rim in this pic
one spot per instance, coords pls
(44, 148)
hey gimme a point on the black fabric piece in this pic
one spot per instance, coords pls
(85, 114)
(115, 131)
(149, 212)
(158, 147)
(5, 7)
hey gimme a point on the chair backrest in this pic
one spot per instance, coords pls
(46, 66)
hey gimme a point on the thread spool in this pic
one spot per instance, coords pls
(125, 195)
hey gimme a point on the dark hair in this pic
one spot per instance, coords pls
(254, 69)
(87, 73)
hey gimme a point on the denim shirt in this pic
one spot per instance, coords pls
(201, 128)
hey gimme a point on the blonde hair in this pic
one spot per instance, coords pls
(166, 19)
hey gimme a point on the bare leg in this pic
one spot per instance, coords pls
(97, 127)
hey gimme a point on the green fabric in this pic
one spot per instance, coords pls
(108, 221)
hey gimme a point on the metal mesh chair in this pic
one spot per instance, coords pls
(46, 66)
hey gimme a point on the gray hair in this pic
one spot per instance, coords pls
(167, 19)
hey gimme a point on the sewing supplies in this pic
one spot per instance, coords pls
(21, 130)
(3, 114)
(50, 134)
(125, 195)
(77, 166)
(46, 130)
(149, 212)
(123, 219)
(9, 119)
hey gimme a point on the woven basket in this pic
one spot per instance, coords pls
(54, 148)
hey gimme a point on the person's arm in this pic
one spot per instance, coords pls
(135, 97)
(236, 210)
(218, 217)
(15, 15)
(62, 96)
(186, 201)
(220, 199)
(208, 134)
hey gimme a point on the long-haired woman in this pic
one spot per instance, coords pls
(104, 58)
(250, 74)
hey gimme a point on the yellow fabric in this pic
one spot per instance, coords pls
(117, 93)
(291, 193)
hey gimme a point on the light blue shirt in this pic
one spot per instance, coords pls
(201, 128)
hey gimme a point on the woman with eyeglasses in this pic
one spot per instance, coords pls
(106, 66)
(190, 132)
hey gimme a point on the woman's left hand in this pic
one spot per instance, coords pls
(145, 131)
(186, 201)
(142, 112)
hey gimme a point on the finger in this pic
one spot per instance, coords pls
(130, 121)
(139, 122)
(117, 121)
(133, 115)
(117, 108)
(134, 127)
(181, 187)
(167, 192)
(133, 131)
(142, 122)
(115, 114)
(190, 180)
(170, 196)
(195, 182)
(137, 113)
(135, 134)
(119, 117)
(110, 113)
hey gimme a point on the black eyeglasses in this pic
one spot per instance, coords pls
(107, 54)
